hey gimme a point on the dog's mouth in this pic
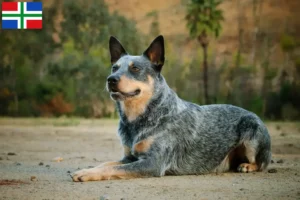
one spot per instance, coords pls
(116, 94)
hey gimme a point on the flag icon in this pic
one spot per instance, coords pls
(22, 15)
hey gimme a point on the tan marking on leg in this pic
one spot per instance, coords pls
(110, 163)
(143, 146)
(247, 167)
(135, 106)
(127, 150)
(104, 173)
(250, 150)
(224, 166)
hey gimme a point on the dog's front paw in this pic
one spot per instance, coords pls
(86, 175)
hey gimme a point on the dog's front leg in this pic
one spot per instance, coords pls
(140, 168)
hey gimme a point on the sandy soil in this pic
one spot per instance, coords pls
(87, 143)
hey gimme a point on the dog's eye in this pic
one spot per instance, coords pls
(134, 69)
(115, 68)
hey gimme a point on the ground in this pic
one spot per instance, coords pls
(31, 173)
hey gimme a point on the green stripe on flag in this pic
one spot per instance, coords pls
(22, 18)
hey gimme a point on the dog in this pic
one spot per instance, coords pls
(165, 135)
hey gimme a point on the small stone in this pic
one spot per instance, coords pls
(122, 199)
(242, 189)
(91, 166)
(41, 163)
(33, 178)
(57, 159)
(278, 127)
(272, 161)
(68, 172)
(107, 186)
(47, 165)
(272, 170)
(18, 164)
(283, 134)
(280, 161)
(104, 197)
(11, 154)
(1, 158)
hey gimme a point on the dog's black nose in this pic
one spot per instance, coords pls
(113, 80)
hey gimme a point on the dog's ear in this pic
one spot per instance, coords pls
(156, 52)
(116, 49)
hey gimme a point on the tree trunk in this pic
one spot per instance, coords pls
(205, 75)
(203, 40)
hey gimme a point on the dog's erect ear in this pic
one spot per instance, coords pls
(116, 49)
(156, 52)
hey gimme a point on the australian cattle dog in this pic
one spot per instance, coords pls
(165, 135)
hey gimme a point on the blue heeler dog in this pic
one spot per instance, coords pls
(165, 135)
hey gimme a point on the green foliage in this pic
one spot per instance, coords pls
(288, 43)
(66, 76)
(204, 16)
(41, 74)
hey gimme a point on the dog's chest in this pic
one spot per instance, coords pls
(132, 135)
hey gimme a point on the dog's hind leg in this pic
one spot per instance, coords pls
(255, 142)
(250, 148)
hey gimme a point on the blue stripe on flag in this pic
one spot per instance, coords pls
(34, 6)
(9, 24)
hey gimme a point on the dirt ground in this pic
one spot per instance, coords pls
(27, 147)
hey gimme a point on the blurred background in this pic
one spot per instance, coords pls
(240, 52)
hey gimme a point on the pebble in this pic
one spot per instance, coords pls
(107, 186)
(11, 154)
(283, 134)
(57, 159)
(41, 163)
(104, 197)
(68, 172)
(33, 178)
(18, 164)
(272, 161)
(1, 158)
(272, 170)
(47, 165)
(90, 166)
(280, 161)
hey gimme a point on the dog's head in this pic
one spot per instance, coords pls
(132, 77)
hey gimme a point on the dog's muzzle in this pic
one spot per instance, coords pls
(116, 94)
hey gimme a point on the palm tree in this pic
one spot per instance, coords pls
(204, 19)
